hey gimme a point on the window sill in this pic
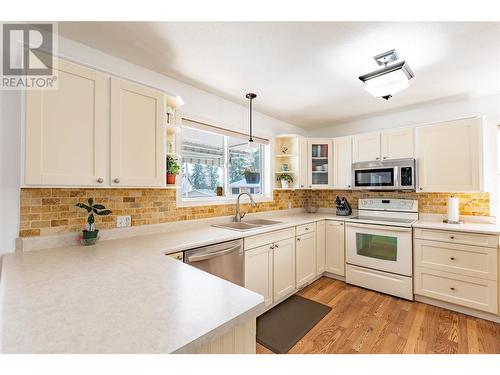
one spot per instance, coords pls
(220, 201)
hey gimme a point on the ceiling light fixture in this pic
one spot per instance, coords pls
(251, 96)
(390, 79)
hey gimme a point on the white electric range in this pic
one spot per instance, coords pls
(379, 246)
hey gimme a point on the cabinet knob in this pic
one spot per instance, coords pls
(298, 238)
(452, 288)
(116, 180)
(276, 246)
(179, 257)
(348, 186)
(452, 237)
(452, 258)
(377, 158)
(341, 223)
(385, 157)
(306, 228)
(100, 180)
(420, 188)
(271, 247)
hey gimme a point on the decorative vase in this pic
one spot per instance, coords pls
(170, 179)
(284, 184)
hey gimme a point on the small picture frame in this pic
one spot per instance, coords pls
(285, 167)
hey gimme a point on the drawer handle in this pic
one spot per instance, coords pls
(271, 247)
(307, 228)
(452, 288)
(276, 246)
(452, 258)
(298, 238)
(452, 237)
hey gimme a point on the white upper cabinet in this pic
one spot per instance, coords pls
(66, 130)
(137, 129)
(319, 155)
(366, 147)
(397, 144)
(342, 162)
(449, 156)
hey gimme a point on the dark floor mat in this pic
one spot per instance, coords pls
(280, 328)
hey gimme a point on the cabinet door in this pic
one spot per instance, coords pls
(397, 144)
(320, 163)
(259, 272)
(449, 156)
(366, 147)
(137, 136)
(335, 250)
(283, 268)
(65, 130)
(320, 246)
(342, 163)
(303, 164)
(305, 259)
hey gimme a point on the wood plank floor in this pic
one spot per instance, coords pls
(364, 321)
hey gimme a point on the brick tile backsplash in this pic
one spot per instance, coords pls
(46, 211)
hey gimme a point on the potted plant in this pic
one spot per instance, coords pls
(251, 176)
(285, 179)
(90, 233)
(173, 170)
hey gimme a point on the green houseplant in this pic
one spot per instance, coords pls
(90, 233)
(285, 179)
(173, 170)
(251, 176)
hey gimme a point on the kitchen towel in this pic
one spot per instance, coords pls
(453, 215)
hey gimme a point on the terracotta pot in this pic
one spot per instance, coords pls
(170, 179)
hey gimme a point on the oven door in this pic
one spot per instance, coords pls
(380, 247)
(380, 178)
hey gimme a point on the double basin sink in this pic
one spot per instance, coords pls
(248, 224)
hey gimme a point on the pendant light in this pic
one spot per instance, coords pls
(251, 96)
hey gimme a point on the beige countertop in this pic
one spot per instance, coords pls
(124, 295)
(471, 227)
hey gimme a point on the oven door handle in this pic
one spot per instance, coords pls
(205, 256)
(379, 227)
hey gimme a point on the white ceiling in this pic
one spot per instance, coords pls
(306, 73)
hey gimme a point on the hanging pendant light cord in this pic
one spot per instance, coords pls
(251, 96)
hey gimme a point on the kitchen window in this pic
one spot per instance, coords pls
(215, 160)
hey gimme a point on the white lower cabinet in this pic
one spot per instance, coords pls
(320, 247)
(259, 272)
(283, 268)
(334, 247)
(305, 258)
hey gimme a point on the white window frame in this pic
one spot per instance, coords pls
(228, 198)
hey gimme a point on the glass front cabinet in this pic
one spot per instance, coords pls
(319, 163)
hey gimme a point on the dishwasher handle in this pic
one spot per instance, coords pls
(205, 256)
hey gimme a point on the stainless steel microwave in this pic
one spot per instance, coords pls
(384, 175)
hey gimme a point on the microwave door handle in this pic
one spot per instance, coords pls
(206, 256)
(397, 183)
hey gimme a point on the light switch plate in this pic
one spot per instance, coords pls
(123, 221)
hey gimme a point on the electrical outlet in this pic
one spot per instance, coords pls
(123, 221)
(289, 204)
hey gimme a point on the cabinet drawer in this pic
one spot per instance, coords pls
(474, 239)
(466, 291)
(267, 238)
(464, 260)
(306, 228)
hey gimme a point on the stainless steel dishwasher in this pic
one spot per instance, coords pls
(225, 260)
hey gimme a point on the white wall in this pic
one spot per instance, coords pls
(487, 106)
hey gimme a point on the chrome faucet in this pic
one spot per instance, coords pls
(237, 218)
